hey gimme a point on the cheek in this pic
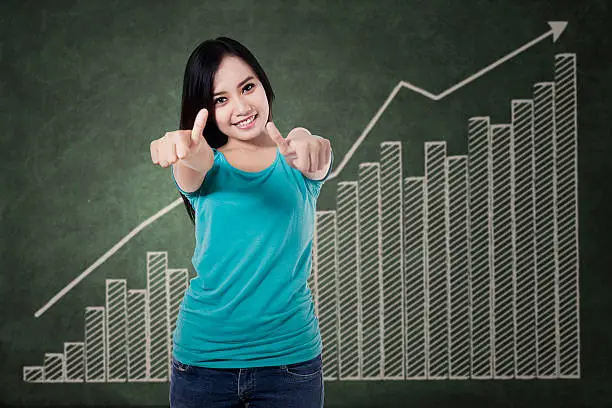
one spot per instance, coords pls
(261, 97)
(222, 118)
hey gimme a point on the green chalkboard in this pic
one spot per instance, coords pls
(472, 137)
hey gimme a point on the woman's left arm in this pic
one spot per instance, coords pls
(309, 154)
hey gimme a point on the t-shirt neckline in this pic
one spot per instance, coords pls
(251, 173)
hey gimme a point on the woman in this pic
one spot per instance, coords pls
(246, 332)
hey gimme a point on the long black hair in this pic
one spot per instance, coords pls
(198, 89)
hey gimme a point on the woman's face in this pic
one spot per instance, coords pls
(240, 102)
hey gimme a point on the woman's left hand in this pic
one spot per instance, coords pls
(302, 150)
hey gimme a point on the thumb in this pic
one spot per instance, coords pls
(275, 135)
(198, 127)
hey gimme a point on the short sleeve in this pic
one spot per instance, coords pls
(314, 186)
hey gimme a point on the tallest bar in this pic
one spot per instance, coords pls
(566, 198)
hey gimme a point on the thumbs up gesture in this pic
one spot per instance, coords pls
(303, 151)
(188, 147)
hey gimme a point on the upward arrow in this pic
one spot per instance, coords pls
(556, 28)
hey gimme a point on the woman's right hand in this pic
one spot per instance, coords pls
(187, 146)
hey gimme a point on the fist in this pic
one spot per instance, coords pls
(180, 144)
(302, 150)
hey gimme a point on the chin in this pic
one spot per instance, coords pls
(251, 134)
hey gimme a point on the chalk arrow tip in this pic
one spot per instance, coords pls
(557, 28)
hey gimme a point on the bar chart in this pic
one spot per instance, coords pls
(127, 340)
(469, 271)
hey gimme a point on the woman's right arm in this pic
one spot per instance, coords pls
(190, 178)
(188, 152)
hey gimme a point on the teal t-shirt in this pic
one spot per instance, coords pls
(250, 305)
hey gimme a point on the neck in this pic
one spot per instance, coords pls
(261, 141)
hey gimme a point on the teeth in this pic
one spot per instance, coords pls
(246, 122)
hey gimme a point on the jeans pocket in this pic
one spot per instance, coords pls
(180, 367)
(305, 369)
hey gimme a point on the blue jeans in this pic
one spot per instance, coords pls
(298, 385)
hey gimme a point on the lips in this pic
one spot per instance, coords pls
(252, 116)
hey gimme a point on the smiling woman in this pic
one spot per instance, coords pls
(240, 104)
(246, 322)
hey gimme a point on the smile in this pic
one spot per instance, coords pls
(247, 123)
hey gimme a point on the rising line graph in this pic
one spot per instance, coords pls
(556, 29)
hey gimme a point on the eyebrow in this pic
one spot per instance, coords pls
(249, 78)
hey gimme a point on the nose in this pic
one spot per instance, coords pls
(241, 106)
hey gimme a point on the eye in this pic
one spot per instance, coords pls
(246, 88)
